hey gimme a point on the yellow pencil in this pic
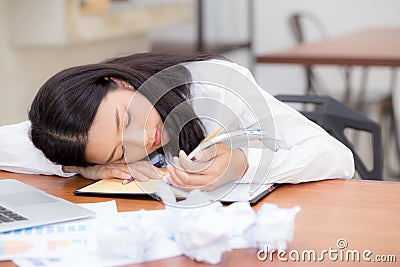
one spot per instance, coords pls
(209, 137)
(213, 134)
(216, 132)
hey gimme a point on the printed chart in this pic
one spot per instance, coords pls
(44, 240)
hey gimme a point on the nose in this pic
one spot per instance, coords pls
(135, 143)
(145, 138)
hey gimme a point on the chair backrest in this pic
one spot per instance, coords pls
(297, 27)
(335, 117)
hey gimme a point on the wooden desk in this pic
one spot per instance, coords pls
(365, 213)
(371, 47)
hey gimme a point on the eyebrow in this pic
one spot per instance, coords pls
(117, 126)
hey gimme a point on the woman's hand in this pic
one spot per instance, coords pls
(141, 171)
(212, 168)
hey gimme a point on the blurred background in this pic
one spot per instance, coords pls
(41, 37)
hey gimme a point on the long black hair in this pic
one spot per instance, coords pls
(63, 110)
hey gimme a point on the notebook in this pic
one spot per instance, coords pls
(227, 193)
(23, 206)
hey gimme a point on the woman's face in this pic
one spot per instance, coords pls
(125, 121)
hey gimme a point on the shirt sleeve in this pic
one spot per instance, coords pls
(18, 154)
(302, 151)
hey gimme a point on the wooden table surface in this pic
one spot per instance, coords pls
(364, 213)
(370, 47)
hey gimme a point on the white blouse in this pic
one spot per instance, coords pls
(300, 150)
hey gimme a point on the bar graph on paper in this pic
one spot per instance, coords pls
(44, 240)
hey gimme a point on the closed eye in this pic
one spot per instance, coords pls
(128, 119)
(123, 153)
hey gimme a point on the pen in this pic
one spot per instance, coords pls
(212, 135)
(127, 181)
(165, 176)
(209, 137)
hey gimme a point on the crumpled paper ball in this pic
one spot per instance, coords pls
(274, 227)
(203, 233)
(126, 237)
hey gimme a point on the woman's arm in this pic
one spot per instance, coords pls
(214, 166)
(140, 170)
(301, 150)
(18, 154)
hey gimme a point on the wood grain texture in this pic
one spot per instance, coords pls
(365, 213)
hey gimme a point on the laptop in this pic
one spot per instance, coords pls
(23, 206)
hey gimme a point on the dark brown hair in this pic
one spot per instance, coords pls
(63, 110)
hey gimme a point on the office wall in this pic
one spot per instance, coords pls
(226, 20)
(339, 17)
(24, 69)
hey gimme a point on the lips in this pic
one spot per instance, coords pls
(157, 138)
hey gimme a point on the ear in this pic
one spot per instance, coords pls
(121, 83)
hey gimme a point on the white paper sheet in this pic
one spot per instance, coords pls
(53, 239)
(203, 234)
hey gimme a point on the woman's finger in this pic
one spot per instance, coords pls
(193, 166)
(146, 169)
(180, 178)
(212, 152)
(139, 176)
(190, 179)
(118, 173)
(206, 154)
(173, 179)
